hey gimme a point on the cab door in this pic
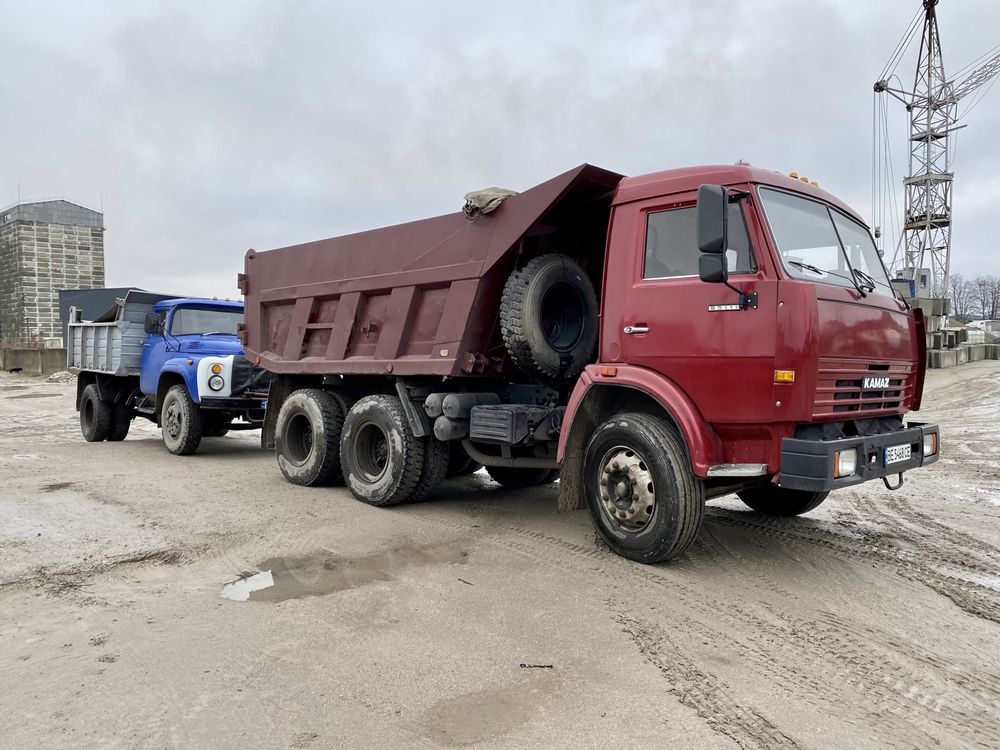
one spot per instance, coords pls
(694, 332)
(154, 354)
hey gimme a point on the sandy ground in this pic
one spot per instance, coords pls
(483, 617)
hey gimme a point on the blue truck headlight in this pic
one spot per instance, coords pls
(216, 383)
(845, 463)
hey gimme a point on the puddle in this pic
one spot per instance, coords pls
(487, 714)
(35, 395)
(325, 573)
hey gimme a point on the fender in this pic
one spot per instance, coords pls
(189, 373)
(701, 441)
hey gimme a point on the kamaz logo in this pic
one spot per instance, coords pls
(871, 384)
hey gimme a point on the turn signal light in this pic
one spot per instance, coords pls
(216, 368)
(609, 372)
(784, 376)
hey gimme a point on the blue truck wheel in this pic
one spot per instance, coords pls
(181, 422)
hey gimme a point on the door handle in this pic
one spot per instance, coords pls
(636, 329)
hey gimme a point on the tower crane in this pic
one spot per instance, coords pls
(936, 103)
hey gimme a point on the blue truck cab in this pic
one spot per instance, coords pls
(179, 364)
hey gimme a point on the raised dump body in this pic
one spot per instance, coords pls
(420, 298)
(113, 342)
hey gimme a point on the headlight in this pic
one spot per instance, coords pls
(216, 383)
(845, 463)
(930, 443)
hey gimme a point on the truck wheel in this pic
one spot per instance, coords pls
(181, 422)
(548, 317)
(780, 501)
(515, 478)
(436, 460)
(307, 438)
(460, 463)
(121, 421)
(641, 494)
(382, 459)
(96, 415)
(215, 425)
(219, 429)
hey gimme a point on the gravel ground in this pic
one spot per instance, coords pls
(482, 617)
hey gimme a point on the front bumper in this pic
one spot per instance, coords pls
(809, 464)
(234, 404)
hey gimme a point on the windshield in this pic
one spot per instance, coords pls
(818, 243)
(193, 320)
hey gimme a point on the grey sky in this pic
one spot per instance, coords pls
(207, 128)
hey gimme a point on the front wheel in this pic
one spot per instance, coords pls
(642, 496)
(780, 501)
(181, 422)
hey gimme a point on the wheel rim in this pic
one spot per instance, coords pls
(563, 313)
(173, 421)
(371, 451)
(625, 488)
(298, 441)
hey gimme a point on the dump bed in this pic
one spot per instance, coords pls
(112, 343)
(416, 298)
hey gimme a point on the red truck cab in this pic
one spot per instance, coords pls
(746, 339)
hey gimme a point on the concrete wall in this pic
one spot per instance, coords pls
(45, 247)
(940, 358)
(33, 361)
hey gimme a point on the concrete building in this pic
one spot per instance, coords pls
(45, 247)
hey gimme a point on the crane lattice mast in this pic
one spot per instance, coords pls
(924, 246)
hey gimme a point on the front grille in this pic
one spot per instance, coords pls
(839, 389)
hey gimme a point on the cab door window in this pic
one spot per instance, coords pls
(672, 243)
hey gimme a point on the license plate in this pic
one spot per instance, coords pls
(896, 453)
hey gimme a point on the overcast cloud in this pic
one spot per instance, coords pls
(203, 129)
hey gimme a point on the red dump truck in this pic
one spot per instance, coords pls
(650, 341)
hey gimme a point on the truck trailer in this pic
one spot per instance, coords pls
(651, 341)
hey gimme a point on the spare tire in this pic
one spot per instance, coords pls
(548, 318)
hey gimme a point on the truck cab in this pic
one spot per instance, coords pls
(781, 351)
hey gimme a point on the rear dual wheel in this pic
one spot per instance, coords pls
(101, 419)
(320, 440)
(384, 462)
(307, 437)
(517, 478)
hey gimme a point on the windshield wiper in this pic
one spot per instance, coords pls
(807, 267)
(867, 282)
(217, 333)
(852, 278)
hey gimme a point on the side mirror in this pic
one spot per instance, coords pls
(713, 213)
(154, 323)
(713, 268)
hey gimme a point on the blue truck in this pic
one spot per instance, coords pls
(175, 361)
